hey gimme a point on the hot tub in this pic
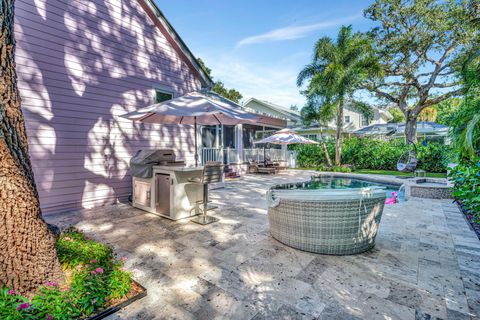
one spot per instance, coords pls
(329, 221)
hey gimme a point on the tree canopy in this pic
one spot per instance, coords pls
(219, 86)
(420, 45)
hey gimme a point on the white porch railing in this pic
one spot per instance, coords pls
(211, 154)
(228, 155)
(258, 154)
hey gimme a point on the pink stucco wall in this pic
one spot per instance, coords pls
(80, 65)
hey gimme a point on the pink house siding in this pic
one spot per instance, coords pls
(80, 65)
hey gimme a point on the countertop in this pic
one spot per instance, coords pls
(178, 168)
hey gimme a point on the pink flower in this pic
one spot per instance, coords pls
(51, 284)
(11, 292)
(124, 259)
(22, 306)
(49, 318)
(94, 301)
(99, 270)
(93, 261)
(93, 272)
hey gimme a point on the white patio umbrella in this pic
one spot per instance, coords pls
(194, 108)
(285, 137)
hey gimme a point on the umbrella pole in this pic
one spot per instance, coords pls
(264, 158)
(196, 147)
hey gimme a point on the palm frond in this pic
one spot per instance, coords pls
(325, 50)
(308, 72)
(344, 37)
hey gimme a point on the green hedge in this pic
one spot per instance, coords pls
(466, 179)
(375, 154)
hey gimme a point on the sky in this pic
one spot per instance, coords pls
(259, 47)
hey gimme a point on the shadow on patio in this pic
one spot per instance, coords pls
(233, 269)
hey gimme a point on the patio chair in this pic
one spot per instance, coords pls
(212, 173)
(254, 167)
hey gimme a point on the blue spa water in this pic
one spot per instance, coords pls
(342, 183)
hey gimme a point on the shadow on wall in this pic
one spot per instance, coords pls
(80, 65)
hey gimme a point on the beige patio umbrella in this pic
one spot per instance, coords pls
(285, 137)
(194, 108)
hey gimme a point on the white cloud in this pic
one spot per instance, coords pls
(275, 83)
(294, 32)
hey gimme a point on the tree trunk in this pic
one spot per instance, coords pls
(27, 248)
(410, 129)
(339, 137)
(327, 156)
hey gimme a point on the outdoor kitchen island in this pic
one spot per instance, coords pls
(163, 185)
(168, 192)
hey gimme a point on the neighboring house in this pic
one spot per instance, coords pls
(353, 119)
(292, 117)
(81, 64)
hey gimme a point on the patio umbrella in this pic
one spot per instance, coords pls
(285, 137)
(194, 108)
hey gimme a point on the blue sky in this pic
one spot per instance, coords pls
(258, 47)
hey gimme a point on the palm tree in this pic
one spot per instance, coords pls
(27, 253)
(336, 72)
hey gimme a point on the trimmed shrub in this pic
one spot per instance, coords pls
(466, 179)
(374, 154)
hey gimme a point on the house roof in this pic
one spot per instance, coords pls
(286, 112)
(174, 38)
(423, 127)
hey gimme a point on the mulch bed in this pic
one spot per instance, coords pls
(469, 217)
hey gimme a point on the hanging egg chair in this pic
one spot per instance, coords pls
(407, 162)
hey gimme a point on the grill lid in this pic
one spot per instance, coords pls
(142, 162)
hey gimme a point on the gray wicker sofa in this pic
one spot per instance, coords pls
(337, 222)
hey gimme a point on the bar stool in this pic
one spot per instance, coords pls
(212, 173)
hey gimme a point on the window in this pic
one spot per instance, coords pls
(347, 119)
(162, 95)
(365, 121)
(310, 136)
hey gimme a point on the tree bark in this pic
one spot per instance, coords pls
(410, 129)
(339, 136)
(327, 156)
(27, 248)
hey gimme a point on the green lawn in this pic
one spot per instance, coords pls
(397, 173)
(389, 172)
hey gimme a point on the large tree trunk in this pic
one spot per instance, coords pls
(339, 136)
(27, 248)
(410, 129)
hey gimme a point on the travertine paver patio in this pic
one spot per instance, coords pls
(426, 264)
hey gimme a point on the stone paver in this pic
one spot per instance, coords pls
(426, 264)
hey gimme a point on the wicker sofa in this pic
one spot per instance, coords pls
(328, 221)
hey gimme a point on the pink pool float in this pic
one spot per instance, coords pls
(392, 200)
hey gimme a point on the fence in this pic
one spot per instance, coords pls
(228, 155)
